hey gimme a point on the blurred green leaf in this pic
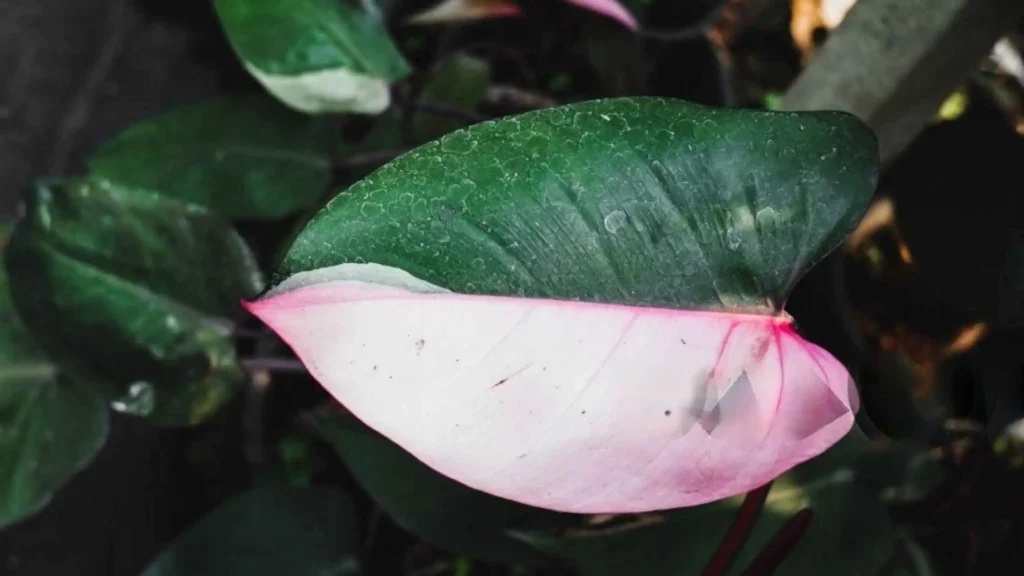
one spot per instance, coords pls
(244, 157)
(900, 472)
(617, 56)
(317, 56)
(50, 427)
(850, 533)
(271, 532)
(134, 293)
(908, 559)
(434, 507)
(298, 461)
(460, 81)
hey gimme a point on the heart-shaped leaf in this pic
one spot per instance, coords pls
(440, 510)
(579, 308)
(50, 427)
(133, 292)
(294, 531)
(317, 56)
(242, 156)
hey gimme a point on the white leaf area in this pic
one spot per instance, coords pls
(334, 90)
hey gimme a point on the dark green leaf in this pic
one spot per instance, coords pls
(272, 532)
(617, 56)
(427, 504)
(634, 200)
(241, 156)
(900, 471)
(850, 533)
(908, 559)
(460, 81)
(133, 292)
(315, 55)
(50, 428)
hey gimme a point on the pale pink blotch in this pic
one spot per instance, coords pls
(463, 10)
(573, 406)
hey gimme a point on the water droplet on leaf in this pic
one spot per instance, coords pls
(732, 237)
(615, 221)
(140, 401)
(458, 143)
(766, 218)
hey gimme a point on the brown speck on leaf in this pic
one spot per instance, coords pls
(510, 376)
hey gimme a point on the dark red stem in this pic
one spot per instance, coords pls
(781, 545)
(738, 533)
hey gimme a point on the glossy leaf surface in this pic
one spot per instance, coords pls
(135, 293)
(317, 56)
(641, 201)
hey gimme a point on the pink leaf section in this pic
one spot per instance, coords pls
(462, 10)
(571, 406)
(610, 8)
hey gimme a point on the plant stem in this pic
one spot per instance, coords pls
(286, 365)
(781, 545)
(738, 533)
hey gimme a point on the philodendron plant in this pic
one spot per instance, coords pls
(582, 308)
